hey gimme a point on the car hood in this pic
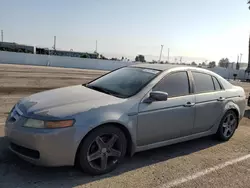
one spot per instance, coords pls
(65, 101)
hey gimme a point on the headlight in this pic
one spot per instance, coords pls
(34, 123)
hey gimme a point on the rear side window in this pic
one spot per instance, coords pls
(175, 84)
(203, 82)
(217, 85)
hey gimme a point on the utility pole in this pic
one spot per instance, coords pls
(161, 53)
(2, 35)
(54, 46)
(168, 55)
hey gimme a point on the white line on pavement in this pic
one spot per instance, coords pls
(202, 173)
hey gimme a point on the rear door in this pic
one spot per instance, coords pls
(209, 101)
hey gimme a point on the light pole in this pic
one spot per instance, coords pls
(161, 53)
(168, 55)
(240, 58)
(54, 46)
(96, 46)
(2, 35)
(238, 61)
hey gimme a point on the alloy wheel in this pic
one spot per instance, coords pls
(104, 151)
(229, 125)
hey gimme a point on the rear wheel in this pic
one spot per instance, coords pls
(102, 150)
(227, 126)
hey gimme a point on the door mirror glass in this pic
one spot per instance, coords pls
(156, 96)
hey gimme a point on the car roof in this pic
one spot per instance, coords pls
(161, 67)
(164, 67)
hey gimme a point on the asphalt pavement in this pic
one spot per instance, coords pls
(203, 162)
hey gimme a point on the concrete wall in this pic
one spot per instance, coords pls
(228, 73)
(72, 62)
(59, 61)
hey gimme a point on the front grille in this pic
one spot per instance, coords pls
(25, 151)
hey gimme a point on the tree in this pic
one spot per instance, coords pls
(248, 3)
(140, 58)
(166, 62)
(203, 64)
(224, 62)
(212, 64)
(102, 57)
(193, 63)
(84, 56)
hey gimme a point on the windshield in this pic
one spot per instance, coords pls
(124, 82)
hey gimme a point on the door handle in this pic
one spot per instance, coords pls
(189, 104)
(221, 99)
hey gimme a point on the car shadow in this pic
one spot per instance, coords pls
(11, 165)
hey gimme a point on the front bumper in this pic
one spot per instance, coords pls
(46, 147)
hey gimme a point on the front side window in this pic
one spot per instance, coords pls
(124, 82)
(175, 84)
(203, 82)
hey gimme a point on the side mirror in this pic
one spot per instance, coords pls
(156, 96)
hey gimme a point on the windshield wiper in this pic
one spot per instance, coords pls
(103, 90)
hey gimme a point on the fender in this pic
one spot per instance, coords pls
(127, 122)
(231, 105)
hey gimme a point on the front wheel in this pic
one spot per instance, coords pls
(102, 150)
(227, 126)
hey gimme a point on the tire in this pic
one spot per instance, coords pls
(106, 144)
(227, 125)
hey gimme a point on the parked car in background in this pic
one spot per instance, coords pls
(125, 111)
(248, 100)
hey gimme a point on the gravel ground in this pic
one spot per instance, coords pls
(153, 168)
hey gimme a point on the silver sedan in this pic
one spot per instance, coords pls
(128, 110)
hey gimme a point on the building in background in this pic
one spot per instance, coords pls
(20, 48)
(14, 47)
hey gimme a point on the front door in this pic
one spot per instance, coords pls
(165, 120)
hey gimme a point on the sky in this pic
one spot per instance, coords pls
(194, 29)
